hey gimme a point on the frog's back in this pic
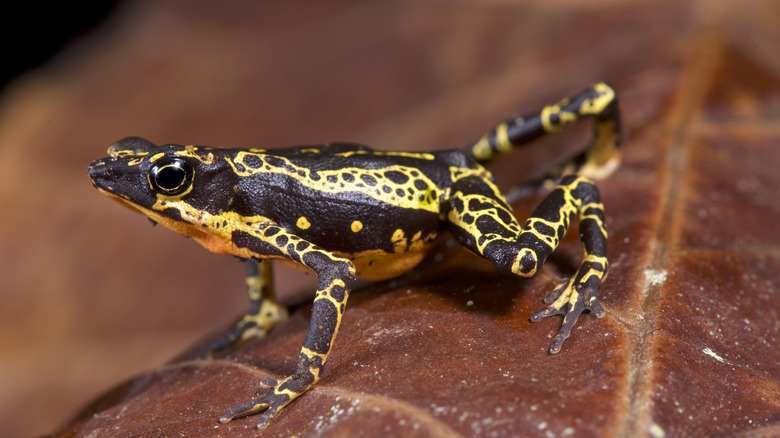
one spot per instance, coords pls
(351, 172)
(363, 204)
(340, 156)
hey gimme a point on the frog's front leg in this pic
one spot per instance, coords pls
(264, 312)
(336, 276)
(484, 223)
(573, 295)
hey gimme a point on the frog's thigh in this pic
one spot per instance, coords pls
(480, 218)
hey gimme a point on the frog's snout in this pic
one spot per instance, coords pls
(102, 174)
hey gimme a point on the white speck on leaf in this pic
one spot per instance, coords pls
(655, 277)
(709, 352)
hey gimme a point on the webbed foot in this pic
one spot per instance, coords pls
(252, 325)
(284, 391)
(570, 298)
(264, 312)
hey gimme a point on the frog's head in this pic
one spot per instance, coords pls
(185, 188)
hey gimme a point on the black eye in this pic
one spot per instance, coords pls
(171, 176)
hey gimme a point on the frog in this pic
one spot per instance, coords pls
(345, 211)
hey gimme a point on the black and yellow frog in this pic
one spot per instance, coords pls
(346, 211)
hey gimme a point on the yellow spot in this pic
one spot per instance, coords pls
(399, 240)
(303, 223)
(356, 226)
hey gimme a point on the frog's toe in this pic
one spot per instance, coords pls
(250, 326)
(284, 391)
(251, 408)
(269, 405)
(569, 299)
(558, 290)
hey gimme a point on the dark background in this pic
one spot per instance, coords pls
(32, 32)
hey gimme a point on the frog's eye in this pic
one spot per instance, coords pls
(171, 176)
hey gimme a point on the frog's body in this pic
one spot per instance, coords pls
(346, 211)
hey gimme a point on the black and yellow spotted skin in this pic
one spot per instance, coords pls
(345, 211)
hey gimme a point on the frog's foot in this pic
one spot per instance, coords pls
(284, 392)
(252, 325)
(570, 298)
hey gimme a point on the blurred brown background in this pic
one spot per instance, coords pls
(91, 294)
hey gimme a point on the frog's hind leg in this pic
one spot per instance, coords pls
(264, 311)
(483, 222)
(600, 158)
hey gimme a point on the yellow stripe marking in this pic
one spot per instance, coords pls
(334, 181)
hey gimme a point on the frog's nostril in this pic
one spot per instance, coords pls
(100, 173)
